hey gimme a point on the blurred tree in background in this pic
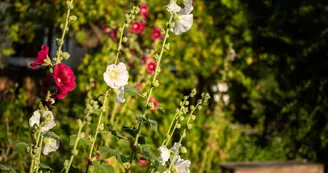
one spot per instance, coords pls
(278, 80)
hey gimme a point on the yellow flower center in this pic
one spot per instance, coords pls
(113, 75)
(58, 80)
(135, 26)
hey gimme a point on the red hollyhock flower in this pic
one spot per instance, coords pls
(64, 77)
(137, 27)
(106, 29)
(144, 11)
(113, 34)
(152, 100)
(48, 83)
(151, 66)
(156, 35)
(42, 55)
(144, 58)
(142, 161)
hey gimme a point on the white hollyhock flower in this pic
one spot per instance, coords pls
(120, 95)
(181, 166)
(223, 87)
(50, 145)
(48, 123)
(116, 76)
(183, 19)
(216, 97)
(165, 154)
(226, 99)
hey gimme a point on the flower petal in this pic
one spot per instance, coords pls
(173, 7)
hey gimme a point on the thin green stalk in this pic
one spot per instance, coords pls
(39, 155)
(98, 125)
(119, 47)
(112, 117)
(36, 148)
(75, 144)
(61, 42)
(150, 92)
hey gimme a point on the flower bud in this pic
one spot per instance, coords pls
(75, 152)
(193, 117)
(101, 127)
(187, 103)
(151, 105)
(65, 55)
(72, 18)
(167, 46)
(189, 126)
(156, 83)
(82, 135)
(88, 118)
(61, 26)
(79, 122)
(125, 39)
(182, 118)
(200, 107)
(162, 31)
(66, 163)
(178, 126)
(126, 165)
(183, 150)
(120, 30)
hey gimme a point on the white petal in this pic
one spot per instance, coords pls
(226, 99)
(50, 145)
(165, 154)
(182, 166)
(49, 122)
(223, 87)
(120, 95)
(187, 7)
(216, 98)
(175, 147)
(184, 24)
(35, 119)
(173, 7)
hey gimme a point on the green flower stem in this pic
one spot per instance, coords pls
(112, 117)
(166, 35)
(36, 149)
(171, 130)
(183, 134)
(75, 144)
(104, 108)
(119, 47)
(60, 45)
(202, 165)
(39, 155)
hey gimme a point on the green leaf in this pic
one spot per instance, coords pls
(44, 166)
(130, 130)
(21, 146)
(153, 124)
(114, 132)
(102, 167)
(141, 140)
(106, 152)
(146, 152)
(7, 168)
(161, 110)
(131, 90)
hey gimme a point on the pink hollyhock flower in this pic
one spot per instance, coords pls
(48, 83)
(113, 34)
(152, 100)
(106, 30)
(139, 86)
(151, 66)
(64, 77)
(137, 27)
(142, 161)
(144, 58)
(144, 11)
(42, 55)
(156, 35)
